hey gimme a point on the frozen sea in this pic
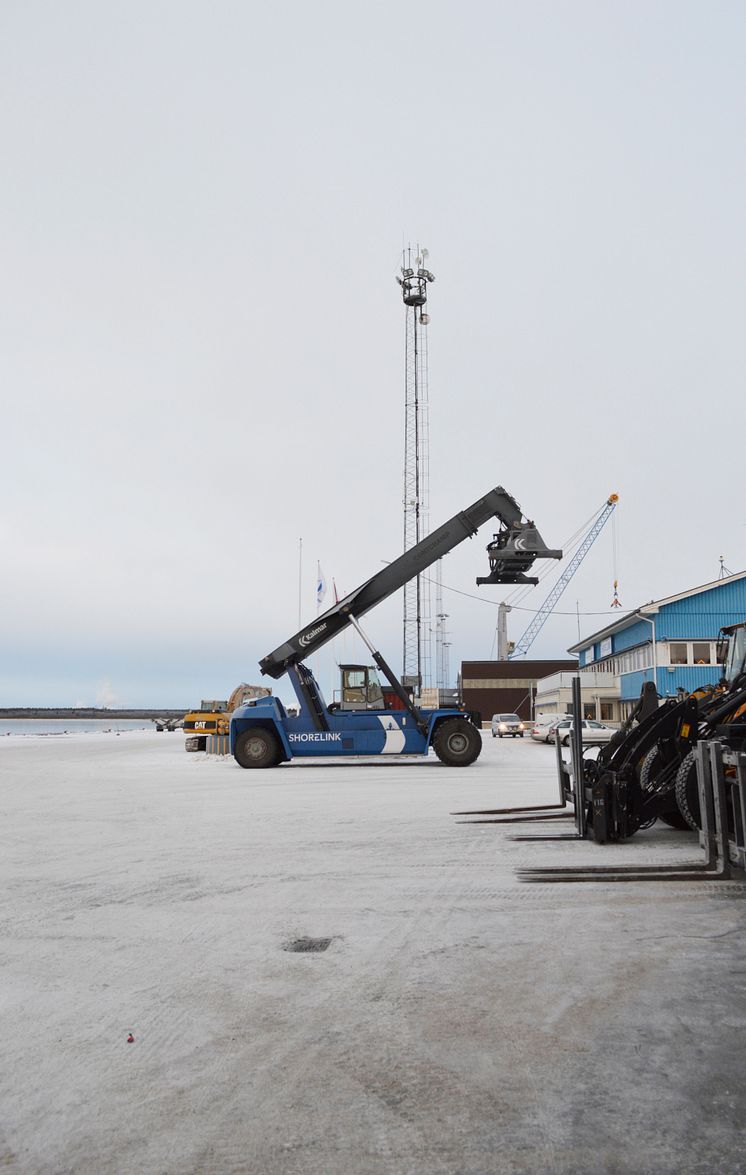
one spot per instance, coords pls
(45, 726)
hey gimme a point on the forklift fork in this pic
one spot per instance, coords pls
(713, 838)
(558, 811)
(577, 787)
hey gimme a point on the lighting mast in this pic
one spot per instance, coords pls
(414, 280)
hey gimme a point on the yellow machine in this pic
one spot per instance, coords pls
(214, 717)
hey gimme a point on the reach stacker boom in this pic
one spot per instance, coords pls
(371, 718)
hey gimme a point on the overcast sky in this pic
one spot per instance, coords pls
(202, 209)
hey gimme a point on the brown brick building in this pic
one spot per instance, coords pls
(506, 687)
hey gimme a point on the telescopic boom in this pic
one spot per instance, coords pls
(519, 545)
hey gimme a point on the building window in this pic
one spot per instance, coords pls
(701, 653)
(607, 711)
(677, 653)
(589, 709)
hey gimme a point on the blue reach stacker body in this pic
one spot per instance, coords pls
(375, 716)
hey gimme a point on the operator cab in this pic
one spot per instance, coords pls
(360, 688)
(732, 651)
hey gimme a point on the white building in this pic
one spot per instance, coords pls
(599, 693)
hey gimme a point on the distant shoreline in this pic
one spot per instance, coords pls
(88, 712)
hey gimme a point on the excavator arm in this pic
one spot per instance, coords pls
(519, 545)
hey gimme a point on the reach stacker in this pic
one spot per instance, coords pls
(371, 717)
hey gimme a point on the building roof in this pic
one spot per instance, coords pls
(650, 610)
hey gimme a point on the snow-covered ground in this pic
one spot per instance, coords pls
(460, 1021)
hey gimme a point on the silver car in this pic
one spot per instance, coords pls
(593, 732)
(543, 731)
(507, 724)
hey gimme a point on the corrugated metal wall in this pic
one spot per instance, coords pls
(702, 615)
(637, 634)
(697, 617)
(687, 677)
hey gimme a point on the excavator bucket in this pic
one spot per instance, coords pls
(512, 553)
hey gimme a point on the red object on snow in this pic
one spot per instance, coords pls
(130, 1039)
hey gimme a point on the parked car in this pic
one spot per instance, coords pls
(543, 731)
(507, 724)
(593, 732)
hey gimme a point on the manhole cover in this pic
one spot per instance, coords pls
(306, 945)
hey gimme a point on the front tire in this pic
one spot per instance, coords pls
(651, 765)
(687, 792)
(457, 743)
(256, 747)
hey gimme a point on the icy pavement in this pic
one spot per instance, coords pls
(458, 1022)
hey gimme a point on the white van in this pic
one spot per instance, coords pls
(507, 724)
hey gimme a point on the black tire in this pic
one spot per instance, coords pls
(520, 735)
(256, 747)
(499, 736)
(649, 768)
(687, 792)
(566, 741)
(493, 734)
(457, 743)
(675, 820)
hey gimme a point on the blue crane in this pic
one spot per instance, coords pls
(524, 644)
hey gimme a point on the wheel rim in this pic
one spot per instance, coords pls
(255, 747)
(457, 744)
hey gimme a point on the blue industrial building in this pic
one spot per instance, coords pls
(671, 641)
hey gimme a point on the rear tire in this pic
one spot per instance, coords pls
(457, 743)
(256, 747)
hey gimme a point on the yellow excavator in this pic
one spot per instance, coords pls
(214, 717)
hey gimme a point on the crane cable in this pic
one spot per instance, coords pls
(519, 593)
(616, 602)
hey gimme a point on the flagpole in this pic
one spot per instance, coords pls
(300, 576)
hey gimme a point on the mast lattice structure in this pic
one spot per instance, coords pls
(417, 670)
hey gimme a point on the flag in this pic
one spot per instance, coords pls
(320, 585)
